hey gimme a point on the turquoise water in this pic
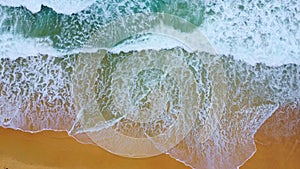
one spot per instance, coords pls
(71, 31)
(254, 31)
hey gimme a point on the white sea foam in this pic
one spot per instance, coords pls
(255, 31)
(148, 42)
(14, 46)
(60, 6)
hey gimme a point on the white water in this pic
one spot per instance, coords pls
(267, 33)
(14, 46)
(60, 6)
(148, 42)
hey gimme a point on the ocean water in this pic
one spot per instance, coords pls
(197, 87)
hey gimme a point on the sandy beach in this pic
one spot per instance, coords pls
(57, 150)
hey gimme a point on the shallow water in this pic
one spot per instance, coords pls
(232, 104)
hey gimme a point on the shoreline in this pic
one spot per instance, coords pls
(57, 150)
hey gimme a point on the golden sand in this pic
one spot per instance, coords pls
(276, 155)
(57, 150)
(53, 150)
(277, 152)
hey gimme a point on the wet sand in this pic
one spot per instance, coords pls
(278, 152)
(275, 155)
(56, 150)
